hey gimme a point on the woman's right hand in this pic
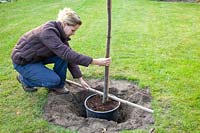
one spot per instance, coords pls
(102, 61)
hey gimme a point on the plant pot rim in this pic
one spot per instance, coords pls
(85, 103)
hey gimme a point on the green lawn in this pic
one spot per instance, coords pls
(154, 44)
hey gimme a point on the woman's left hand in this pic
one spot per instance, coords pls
(83, 83)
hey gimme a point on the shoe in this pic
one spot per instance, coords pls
(27, 89)
(60, 90)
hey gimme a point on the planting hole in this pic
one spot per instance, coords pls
(68, 110)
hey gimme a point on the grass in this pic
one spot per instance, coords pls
(154, 44)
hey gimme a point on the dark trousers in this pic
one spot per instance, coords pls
(38, 75)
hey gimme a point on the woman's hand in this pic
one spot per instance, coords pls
(101, 61)
(83, 83)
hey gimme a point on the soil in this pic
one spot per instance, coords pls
(68, 110)
(95, 103)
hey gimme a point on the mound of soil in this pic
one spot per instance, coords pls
(68, 110)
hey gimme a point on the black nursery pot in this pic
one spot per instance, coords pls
(108, 115)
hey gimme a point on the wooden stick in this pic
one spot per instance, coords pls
(112, 97)
(106, 75)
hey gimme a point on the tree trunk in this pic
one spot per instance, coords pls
(106, 76)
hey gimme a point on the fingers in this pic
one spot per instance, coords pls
(84, 84)
(102, 61)
(107, 61)
(86, 87)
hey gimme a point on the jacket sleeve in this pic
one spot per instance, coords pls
(50, 38)
(74, 70)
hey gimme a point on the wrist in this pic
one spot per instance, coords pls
(95, 62)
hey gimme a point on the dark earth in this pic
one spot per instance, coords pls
(68, 110)
(95, 103)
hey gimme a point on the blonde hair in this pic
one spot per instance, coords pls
(69, 16)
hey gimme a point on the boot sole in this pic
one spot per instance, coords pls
(24, 88)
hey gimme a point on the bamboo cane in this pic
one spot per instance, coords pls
(112, 97)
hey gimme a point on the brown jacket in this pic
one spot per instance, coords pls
(46, 41)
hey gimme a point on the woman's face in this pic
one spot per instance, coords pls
(70, 30)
